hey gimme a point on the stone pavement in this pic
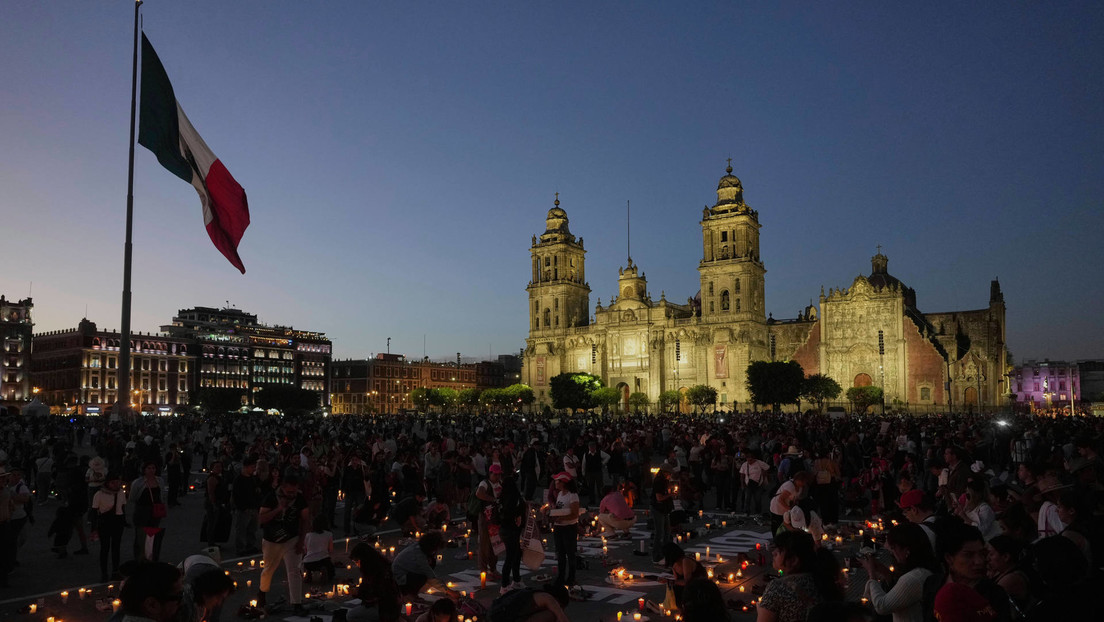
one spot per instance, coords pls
(41, 577)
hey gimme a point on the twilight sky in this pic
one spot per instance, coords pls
(399, 156)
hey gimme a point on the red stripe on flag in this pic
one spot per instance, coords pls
(229, 211)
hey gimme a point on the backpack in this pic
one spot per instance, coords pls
(475, 504)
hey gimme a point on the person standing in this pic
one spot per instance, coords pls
(488, 492)
(149, 509)
(109, 504)
(530, 469)
(753, 473)
(216, 504)
(284, 518)
(720, 469)
(246, 498)
(513, 510)
(565, 529)
(663, 503)
(592, 469)
(353, 478)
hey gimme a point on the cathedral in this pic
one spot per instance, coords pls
(870, 333)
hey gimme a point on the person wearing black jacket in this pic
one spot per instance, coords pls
(512, 511)
(592, 473)
(531, 459)
(246, 495)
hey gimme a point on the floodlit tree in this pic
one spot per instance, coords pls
(573, 390)
(638, 401)
(668, 399)
(445, 398)
(775, 383)
(468, 398)
(863, 397)
(819, 388)
(605, 397)
(702, 395)
(520, 395)
(422, 398)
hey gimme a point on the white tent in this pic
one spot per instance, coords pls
(36, 409)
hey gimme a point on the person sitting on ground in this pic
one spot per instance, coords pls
(702, 602)
(443, 610)
(413, 566)
(614, 512)
(408, 513)
(204, 596)
(683, 567)
(437, 514)
(318, 550)
(545, 604)
(378, 593)
(152, 593)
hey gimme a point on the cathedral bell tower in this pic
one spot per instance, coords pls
(559, 296)
(731, 271)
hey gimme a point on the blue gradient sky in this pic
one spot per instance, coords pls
(398, 156)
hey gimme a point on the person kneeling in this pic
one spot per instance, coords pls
(614, 512)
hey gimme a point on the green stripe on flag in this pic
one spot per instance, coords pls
(158, 123)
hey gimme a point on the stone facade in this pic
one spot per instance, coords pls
(16, 328)
(869, 333)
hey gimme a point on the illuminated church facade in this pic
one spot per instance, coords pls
(870, 333)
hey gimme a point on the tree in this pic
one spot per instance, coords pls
(445, 398)
(468, 398)
(863, 397)
(667, 399)
(422, 398)
(520, 395)
(290, 400)
(819, 388)
(573, 390)
(775, 383)
(492, 398)
(218, 401)
(638, 401)
(605, 397)
(702, 395)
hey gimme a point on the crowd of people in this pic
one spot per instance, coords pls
(1007, 507)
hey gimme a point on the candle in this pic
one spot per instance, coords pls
(891, 568)
(253, 603)
(409, 608)
(619, 614)
(464, 593)
(741, 588)
(80, 593)
(860, 533)
(306, 596)
(824, 536)
(34, 607)
(482, 580)
(739, 573)
(731, 578)
(392, 550)
(249, 583)
(724, 523)
(252, 562)
(640, 602)
(65, 597)
(709, 573)
(707, 551)
(636, 616)
(440, 558)
(758, 545)
(605, 550)
(697, 556)
(449, 585)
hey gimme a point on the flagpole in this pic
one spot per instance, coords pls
(123, 401)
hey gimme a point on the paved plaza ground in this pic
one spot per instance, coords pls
(41, 576)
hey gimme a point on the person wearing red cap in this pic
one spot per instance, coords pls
(917, 509)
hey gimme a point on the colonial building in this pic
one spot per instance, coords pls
(383, 384)
(16, 328)
(235, 351)
(1047, 384)
(871, 333)
(77, 370)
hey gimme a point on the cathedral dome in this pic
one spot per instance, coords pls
(730, 192)
(556, 221)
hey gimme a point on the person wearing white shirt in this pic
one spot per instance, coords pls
(110, 505)
(914, 559)
(753, 473)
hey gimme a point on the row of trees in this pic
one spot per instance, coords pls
(514, 396)
(774, 384)
(769, 383)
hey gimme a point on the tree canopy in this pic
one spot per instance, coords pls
(638, 401)
(573, 390)
(775, 383)
(219, 401)
(702, 395)
(286, 398)
(864, 397)
(818, 388)
(669, 398)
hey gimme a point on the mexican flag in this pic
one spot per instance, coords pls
(164, 129)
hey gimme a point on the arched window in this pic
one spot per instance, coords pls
(737, 288)
(547, 317)
(724, 300)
